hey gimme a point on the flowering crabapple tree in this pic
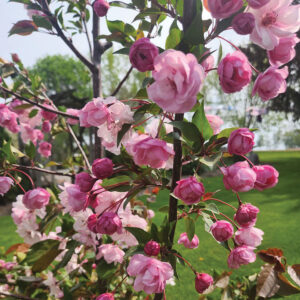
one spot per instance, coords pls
(94, 238)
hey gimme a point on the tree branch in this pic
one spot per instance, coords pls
(38, 105)
(43, 170)
(122, 82)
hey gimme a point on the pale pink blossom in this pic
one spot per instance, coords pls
(224, 9)
(151, 274)
(107, 200)
(28, 133)
(153, 126)
(250, 236)
(111, 253)
(5, 184)
(8, 119)
(178, 79)
(215, 123)
(241, 255)
(74, 112)
(77, 200)
(274, 20)
(208, 63)
(53, 285)
(45, 149)
(184, 240)
(271, 83)
(119, 112)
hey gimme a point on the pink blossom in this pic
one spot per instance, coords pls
(222, 230)
(242, 255)
(239, 177)
(183, 239)
(178, 79)
(102, 168)
(266, 177)
(284, 52)
(14, 106)
(234, 72)
(274, 20)
(151, 274)
(271, 83)
(94, 113)
(5, 184)
(74, 112)
(45, 149)
(202, 282)
(142, 54)
(109, 223)
(111, 253)
(241, 141)
(46, 126)
(152, 248)
(257, 3)
(101, 7)
(119, 112)
(189, 190)
(223, 9)
(30, 134)
(215, 123)
(243, 23)
(76, 199)
(36, 198)
(8, 119)
(92, 222)
(152, 152)
(85, 181)
(250, 236)
(208, 63)
(246, 215)
(48, 115)
(152, 127)
(106, 296)
(52, 283)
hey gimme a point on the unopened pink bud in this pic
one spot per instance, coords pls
(36, 199)
(92, 223)
(101, 7)
(152, 248)
(85, 181)
(109, 223)
(222, 230)
(202, 282)
(102, 168)
(246, 215)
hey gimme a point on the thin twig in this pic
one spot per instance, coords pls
(122, 82)
(43, 170)
(80, 148)
(38, 105)
(166, 10)
(88, 37)
(18, 296)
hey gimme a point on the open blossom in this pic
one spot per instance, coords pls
(142, 54)
(239, 177)
(120, 113)
(183, 239)
(76, 199)
(266, 177)
(234, 72)
(274, 20)
(30, 134)
(94, 113)
(215, 123)
(101, 7)
(8, 119)
(241, 141)
(284, 52)
(250, 236)
(106, 296)
(74, 112)
(151, 152)
(178, 79)
(5, 184)
(45, 149)
(111, 253)
(189, 190)
(242, 255)
(246, 215)
(271, 83)
(36, 198)
(202, 282)
(222, 230)
(52, 283)
(223, 9)
(243, 23)
(153, 126)
(151, 274)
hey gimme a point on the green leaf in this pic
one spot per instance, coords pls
(33, 113)
(220, 54)
(211, 161)
(121, 4)
(122, 51)
(173, 39)
(164, 209)
(188, 130)
(115, 26)
(43, 22)
(226, 132)
(7, 152)
(142, 236)
(130, 30)
(212, 207)
(122, 132)
(207, 221)
(148, 12)
(27, 2)
(194, 34)
(105, 270)
(190, 227)
(106, 183)
(200, 121)
(30, 150)
(141, 4)
(142, 94)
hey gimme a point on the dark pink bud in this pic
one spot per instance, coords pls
(15, 58)
(243, 23)
(202, 282)
(102, 168)
(257, 3)
(109, 223)
(222, 230)
(101, 7)
(246, 215)
(142, 54)
(106, 296)
(85, 181)
(152, 248)
(46, 127)
(92, 223)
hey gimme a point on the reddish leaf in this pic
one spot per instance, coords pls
(20, 247)
(273, 256)
(24, 27)
(286, 287)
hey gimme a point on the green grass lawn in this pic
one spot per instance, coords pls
(279, 218)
